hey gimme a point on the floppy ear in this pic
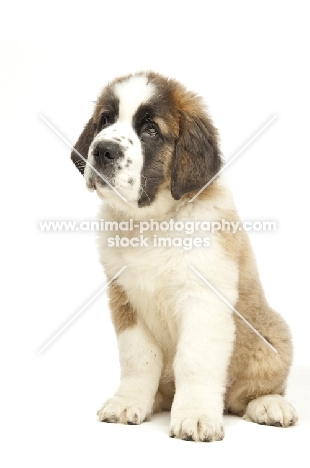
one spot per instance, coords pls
(197, 157)
(83, 144)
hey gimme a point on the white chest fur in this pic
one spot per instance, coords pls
(159, 281)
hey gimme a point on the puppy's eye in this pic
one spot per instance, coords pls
(105, 120)
(149, 131)
(152, 131)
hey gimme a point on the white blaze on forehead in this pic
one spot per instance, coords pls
(132, 93)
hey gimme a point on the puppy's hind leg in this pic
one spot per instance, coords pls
(271, 410)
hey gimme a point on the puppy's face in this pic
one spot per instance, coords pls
(147, 134)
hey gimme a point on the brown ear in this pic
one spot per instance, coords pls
(82, 145)
(197, 157)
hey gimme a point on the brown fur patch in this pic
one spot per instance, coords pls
(83, 144)
(162, 125)
(122, 313)
(197, 157)
(107, 101)
(255, 369)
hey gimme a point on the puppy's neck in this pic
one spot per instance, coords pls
(162, 208)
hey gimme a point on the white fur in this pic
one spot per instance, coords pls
(132, 93)
(141, 364)
(126, 172)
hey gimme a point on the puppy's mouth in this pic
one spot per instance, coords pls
(122, 184)
(97, 186)
(97, 180)
(91, 184)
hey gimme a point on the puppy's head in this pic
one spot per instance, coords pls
(147, 134)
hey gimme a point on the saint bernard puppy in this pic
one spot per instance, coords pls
(150, 147)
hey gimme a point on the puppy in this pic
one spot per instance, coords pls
(195, 332)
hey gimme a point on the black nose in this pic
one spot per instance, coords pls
(105, 152)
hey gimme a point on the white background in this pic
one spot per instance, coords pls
(250, 62)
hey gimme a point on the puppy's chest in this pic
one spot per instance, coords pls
(142, 251)
(150, 291)
(149, 282)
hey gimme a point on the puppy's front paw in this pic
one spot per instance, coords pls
(188, 425)
(121, 410)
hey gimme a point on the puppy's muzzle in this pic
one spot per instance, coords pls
(106, 152)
